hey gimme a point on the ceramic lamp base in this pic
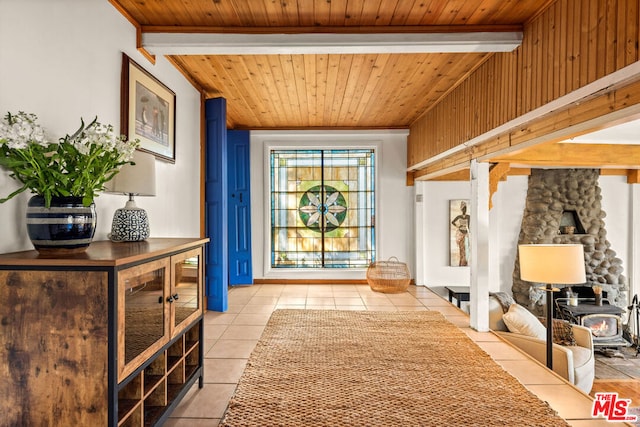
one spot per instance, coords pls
(130, 224)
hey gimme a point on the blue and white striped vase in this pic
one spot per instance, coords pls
(67, 227)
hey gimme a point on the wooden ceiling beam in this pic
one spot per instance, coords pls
(464, 174)
(183, 43)
(370, 29)
(633, 176)
(461, 175)
(576, 155)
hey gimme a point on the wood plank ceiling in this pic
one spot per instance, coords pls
(347, 91)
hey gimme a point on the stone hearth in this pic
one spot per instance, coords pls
(558, 199)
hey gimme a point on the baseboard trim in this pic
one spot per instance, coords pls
(309, 281)
(314, 282)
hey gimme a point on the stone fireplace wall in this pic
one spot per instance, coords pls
(557, 198)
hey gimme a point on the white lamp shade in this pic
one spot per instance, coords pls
(555, 264)
(138, 179)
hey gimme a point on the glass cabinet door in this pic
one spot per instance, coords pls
(186, 296)
(142, 328)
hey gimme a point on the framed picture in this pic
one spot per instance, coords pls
(459, 221)
(148, 111)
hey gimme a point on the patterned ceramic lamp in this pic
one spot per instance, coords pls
(131, 223)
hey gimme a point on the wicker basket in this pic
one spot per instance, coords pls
(391, 276)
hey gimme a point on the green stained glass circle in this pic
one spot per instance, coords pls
(314, 211)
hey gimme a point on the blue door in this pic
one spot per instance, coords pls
(240, 272)
(216, 213)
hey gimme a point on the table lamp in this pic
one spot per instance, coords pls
(552, 265)
(131, 223)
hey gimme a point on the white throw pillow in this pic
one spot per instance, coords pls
(521, 321)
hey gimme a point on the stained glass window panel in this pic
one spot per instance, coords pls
(322, 208)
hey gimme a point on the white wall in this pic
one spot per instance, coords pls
(617, 204)
(394, 216)
(61, 60)
(505, 221)
(435, 211)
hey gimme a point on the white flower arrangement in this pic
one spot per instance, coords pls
(77, 165)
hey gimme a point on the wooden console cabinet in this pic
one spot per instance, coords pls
(113, 336)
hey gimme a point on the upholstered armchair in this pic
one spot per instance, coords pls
(575, 363)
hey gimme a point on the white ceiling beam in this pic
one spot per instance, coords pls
(278, 44)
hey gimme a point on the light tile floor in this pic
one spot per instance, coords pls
(231, 336)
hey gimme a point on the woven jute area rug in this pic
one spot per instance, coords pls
(360, 368)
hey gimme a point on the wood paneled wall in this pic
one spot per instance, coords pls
(572, 43)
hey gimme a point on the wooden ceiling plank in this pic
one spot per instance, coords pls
(379, 109)
(310, 80)
(239, 98)
(344, 68)
(271, 93)
(290, 87)
(485, 12)
(198, 68)
(207, 68)
(267, 13)
(273, 15)
(246, 91)
(373, 11)
(354, 12)
(434, 14)
(282, 101)
(375, 81)
(292, 12)
(242, 12)
(410, 88)
(321, 13)
(338, 12)
(369, 104)
(451, 9)
(270, 13)
(417, 12)
(466, 10)
(401, 12)
(304, 90)
(354, 90)
(143, 13)
(333, 68)
(322, 64)
(259, 87)
(176, 62)
(307, 14)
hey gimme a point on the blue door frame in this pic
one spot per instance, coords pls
(216, 213)
(227, 206)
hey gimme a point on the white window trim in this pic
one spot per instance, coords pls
(325, 140)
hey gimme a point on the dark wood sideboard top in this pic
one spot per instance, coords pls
(104, 253)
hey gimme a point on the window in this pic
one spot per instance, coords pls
(322, 208)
